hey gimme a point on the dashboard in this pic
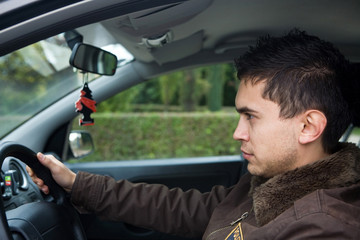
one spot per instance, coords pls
(17, 188)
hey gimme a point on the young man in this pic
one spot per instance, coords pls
(294, 105)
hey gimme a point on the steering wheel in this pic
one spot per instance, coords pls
(39, 220)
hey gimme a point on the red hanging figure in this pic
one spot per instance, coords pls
(86, 105)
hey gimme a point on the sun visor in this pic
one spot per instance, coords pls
(178, 49)
(150, 22)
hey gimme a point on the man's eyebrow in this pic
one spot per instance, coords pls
(245, 110)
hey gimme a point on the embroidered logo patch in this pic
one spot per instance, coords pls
(235, 234)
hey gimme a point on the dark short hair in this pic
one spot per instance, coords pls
(300, 72)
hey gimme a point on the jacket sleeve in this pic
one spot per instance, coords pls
(152, 206)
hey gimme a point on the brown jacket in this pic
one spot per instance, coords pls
(321, 200)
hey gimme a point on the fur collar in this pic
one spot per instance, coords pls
(273, 196)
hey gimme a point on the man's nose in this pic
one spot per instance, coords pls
(241, 132)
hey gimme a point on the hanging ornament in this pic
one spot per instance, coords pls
(85, 105)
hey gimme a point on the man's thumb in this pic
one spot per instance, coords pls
(43, 160)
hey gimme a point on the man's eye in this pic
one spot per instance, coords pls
(249, 116)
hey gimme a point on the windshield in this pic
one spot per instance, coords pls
(34, 77)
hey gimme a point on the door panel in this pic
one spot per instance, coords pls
(200, 173)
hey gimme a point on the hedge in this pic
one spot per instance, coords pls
(130, 136)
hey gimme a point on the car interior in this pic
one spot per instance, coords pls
(154, 37)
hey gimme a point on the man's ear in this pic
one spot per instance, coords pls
(313, 123)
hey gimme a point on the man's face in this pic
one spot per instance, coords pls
(268, 142)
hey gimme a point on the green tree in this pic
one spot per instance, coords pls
(120, 102)
(19, 74)
(149, 92)
(187, 88)
(231, 84)
(169, 85)
(187, 95)
(216, 80)
(195, 86)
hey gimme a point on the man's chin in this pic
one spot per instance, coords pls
(253, 171)
(257, 172)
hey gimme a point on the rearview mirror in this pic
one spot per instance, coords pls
(92, 59)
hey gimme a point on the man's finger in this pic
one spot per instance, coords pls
(45, 189)
(29, 171)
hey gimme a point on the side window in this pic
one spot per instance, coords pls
(354, 136)
(189, 113)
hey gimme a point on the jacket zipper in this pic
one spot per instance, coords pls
(243, 216)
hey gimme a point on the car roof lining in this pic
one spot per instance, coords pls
(244, 22)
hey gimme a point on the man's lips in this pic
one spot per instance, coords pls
(246, 155)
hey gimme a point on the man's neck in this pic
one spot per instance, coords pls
(310, 153)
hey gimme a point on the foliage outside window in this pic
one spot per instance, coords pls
(32, 78)
(188, 113)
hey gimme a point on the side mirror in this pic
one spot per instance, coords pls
(81, 143)
(92, 59)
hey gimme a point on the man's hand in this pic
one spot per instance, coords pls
(61, 174)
